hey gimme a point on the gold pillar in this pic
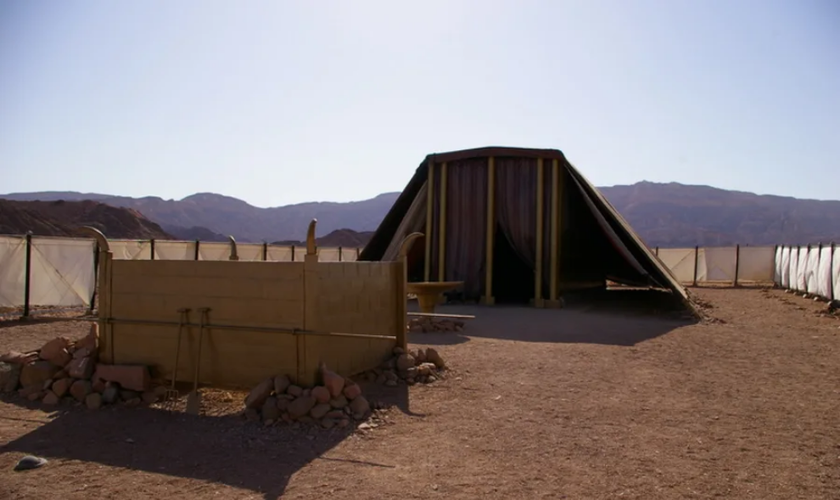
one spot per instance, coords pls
(538, 298)
(442, 225)
(491, 229)
(555, 232)
(430, 213)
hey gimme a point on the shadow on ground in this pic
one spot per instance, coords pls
(612, 317)
(220, 449)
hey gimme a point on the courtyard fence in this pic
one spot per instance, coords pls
(60, 272)
(812, 269)
(45, 271)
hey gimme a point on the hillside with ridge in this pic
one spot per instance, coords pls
(664, 215)
(64, 218)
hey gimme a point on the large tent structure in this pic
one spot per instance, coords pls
(515, 225)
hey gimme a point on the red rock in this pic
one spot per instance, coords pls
(56, 351)
(332, 381)
(80, 368)
(18, 358)
(360, 406)
(352, 391)
(301, 406)
(93, 401)
(80, 389)
(50, 399)
(37, 373)
(318, 411)
(61, 386)
(321, 394)
(84, 352)
(99, 385)
(281, 383)
(91, 340)
(259, 394)
(133, 377)
(29, 390)
(35, 396)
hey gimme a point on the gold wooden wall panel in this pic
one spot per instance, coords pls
(357, 297)
(345, 297)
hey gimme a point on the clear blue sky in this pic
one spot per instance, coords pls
(279, 102)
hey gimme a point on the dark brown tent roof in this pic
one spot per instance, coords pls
(642, 267)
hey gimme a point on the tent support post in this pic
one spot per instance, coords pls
(737, 264)
(553, 301)
(488, 298)
(442, 226)
(696, 254)
(430, 213)
(538, 296)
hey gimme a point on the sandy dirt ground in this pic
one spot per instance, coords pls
(579, 403)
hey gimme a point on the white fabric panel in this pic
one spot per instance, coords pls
(811, 269)
(777, 266)
(794, 267)
(757, 263)
(174, 250)
(249, 251)
(300, 253)
(349, 254)
(823, 277)
(279, 253)
(12, 267)
(801, 267)
(835, 272)
(716, 264)
(328, 254)
(62, 271)
(680, 261)
(213, 250)
(131, 249)
(785, 267)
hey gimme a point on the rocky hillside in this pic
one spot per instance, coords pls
(663, 214)
(677, 215)
(346, 238)
(225, 215)
(64, 218)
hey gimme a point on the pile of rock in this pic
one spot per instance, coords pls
(422, 366)
(68, 370)
(332, 404)
(424, 324)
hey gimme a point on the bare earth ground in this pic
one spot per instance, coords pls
(540, 404)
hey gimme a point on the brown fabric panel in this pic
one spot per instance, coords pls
(516, 205)
(548, 177)
(466, 228)
(433, 268)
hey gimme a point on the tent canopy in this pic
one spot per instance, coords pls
(544, 215)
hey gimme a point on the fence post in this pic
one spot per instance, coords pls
(197, 242)
(27, 271)
(293, 253)
(339, 254)
(737, 263)
(265, 251)
(152, 248)
(696, 253)
(657, 251)
(95, 275)
(831, 273)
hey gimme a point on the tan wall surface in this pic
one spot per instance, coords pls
(357, 297)
(350, 298)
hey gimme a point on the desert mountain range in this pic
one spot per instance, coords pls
(666, 215)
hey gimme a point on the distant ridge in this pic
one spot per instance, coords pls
(664, 214)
